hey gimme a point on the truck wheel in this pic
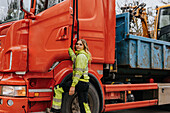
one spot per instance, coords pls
(165, 107)
(71, 105)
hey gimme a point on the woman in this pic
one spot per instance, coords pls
(80, 79)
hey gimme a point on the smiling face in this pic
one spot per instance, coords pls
(79, 45)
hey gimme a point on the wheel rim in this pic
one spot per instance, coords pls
(75, 105)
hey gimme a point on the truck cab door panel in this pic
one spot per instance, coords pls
(49, 36)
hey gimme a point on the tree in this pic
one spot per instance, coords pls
(135, 25)
(12, 9)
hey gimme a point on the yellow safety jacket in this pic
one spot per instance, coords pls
(80, 66)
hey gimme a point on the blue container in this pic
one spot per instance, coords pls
(139, 52)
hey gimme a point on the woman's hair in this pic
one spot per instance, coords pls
(85, 47)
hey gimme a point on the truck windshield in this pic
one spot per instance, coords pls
(164, 17)
(9, 10)
(42, 5)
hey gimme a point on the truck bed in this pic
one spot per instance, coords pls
(139, 52)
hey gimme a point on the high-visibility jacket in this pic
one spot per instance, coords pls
(80, 66)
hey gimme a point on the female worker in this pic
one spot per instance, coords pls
(80, 79)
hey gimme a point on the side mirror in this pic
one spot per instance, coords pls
(25, 7)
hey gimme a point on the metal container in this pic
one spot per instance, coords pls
(139, 52)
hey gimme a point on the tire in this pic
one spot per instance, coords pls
(71, 105)
(165, 107)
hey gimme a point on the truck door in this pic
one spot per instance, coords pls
(50, 33)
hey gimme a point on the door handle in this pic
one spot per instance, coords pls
(62, 33)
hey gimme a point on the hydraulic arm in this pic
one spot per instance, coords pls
(139, 12)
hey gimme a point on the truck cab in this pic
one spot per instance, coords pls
(34, 39)
(163, 23)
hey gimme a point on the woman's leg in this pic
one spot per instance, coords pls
(59, 90)
(82, 92)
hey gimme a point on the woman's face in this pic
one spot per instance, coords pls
(79, 46)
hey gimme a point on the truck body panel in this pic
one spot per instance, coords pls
(49, 37)
(20, 105)
(14, 44)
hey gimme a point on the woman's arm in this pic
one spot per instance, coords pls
(72, 55)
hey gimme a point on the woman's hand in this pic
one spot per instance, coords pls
(72, 90)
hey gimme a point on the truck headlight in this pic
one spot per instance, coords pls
(13, 90)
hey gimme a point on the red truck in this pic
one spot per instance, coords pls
(127, 71)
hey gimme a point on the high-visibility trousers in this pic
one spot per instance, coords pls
(82, 92)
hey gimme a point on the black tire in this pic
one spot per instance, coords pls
(165, 107)
(71, 105)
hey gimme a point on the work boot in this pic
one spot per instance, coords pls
(55, 110)
(48, 110)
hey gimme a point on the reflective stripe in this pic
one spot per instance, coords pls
(57, 100)
(72, 55)
(56, 107)
(84, 80)
(86, 77)
(86, 107)
(80, 69)
(85, 74)
(78, 76)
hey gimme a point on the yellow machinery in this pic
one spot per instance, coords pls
(162, 20)
(162, 23)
